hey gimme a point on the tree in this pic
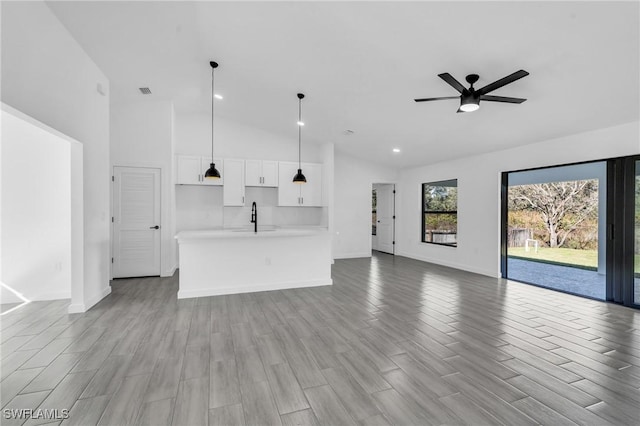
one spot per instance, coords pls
(563, 206)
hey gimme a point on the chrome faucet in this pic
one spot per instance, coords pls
(254, 216)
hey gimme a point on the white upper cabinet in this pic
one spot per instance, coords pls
(261, 173)
(311, 192)
(288, 192)
(300, 195)
(238, 173)
(233, 190)
(270, 173)
(191, 170)
(253, 172)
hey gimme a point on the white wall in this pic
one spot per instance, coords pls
(236, 140)
(352, 203)
(479, 193)
(142, 136)
(36, 212)
(47, 75)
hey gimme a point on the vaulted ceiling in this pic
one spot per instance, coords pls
(361, 64)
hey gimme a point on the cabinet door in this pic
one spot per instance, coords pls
(288, 192)
(253, 172)
(270, 173)
(204, 166)
(311, 192)
(189, 170)
(233, 189)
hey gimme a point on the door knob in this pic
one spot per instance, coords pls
(154, 227)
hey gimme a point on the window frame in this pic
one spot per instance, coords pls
(424, 212)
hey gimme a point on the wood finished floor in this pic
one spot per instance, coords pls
(393, 341)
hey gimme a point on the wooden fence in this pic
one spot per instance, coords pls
(516, 237)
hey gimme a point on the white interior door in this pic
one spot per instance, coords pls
(385, 212)
(136, 222)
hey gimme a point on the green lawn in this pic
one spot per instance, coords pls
(583, 258)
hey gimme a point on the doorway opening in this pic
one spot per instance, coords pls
(574, 228)
(383, 217)
(556, 228)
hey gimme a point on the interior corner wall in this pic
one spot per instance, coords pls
(142, 136)
(48, 76)
(479, 180)
(354, 179)
(328, 187)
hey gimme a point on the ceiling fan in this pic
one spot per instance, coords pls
(470, 98)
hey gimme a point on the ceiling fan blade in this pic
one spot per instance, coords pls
(452, 82)
(492, 98)
(436, 99)
(502, 82)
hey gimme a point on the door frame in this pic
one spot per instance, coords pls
(168, 262)
(620, 223)
(393, 215)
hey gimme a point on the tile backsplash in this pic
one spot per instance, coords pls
(201, 208)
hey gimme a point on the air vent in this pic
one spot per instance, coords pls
(145, 90)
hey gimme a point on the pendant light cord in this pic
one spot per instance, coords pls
(299, 132)
(212, 103)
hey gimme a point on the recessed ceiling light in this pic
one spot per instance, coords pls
(300, 123)
(218, 96)
(396, 149)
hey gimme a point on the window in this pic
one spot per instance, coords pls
(440, 212)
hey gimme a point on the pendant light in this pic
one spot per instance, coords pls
(212, 173)
(299, 177)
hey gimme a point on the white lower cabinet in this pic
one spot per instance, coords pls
(233, 190)
(307, 194)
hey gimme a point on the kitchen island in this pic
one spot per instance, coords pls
(230, 261)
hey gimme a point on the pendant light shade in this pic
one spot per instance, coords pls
(212, 173)
(299, 177)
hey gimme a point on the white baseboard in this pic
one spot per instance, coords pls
(352, 255)
(182, 294)
(84, 307)
(170, 272)
(78, 308)
(9, 297)
(53, 296)
(466, 268)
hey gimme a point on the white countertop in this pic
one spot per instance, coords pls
(263, 232)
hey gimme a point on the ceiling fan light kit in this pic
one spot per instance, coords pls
(470, 98)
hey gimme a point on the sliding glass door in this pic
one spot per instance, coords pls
(556, 228)
(636, 235)
(575, 228)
